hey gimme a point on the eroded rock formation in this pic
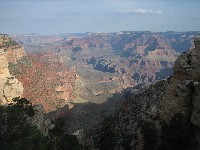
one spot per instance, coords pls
(46, 81)
(10, 87)
(178, 94)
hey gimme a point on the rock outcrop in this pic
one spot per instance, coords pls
(10, 87)
(182, 95)
(13, 51)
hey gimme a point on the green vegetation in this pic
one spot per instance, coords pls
(177, 135)
(15, 129)
(110, 137)
(173, 136)
(17, 133)
(8, 43)
(105, 138)
(150, 136)
(61, 141)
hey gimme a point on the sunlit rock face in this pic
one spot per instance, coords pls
(4, 72)
(46, 80)
(13, 51)
(10, 87)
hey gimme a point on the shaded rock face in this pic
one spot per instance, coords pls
(182, 93)
(195, 116)
(161, 101)
(10, 87)
(142, 106)
(187, 65)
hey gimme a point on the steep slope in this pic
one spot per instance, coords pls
(46, 81)
(10, 87)
(142, 115)
(101, 68)
(117, 61)
(183, 92)
(41, 78)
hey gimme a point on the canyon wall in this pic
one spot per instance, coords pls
(146, 112)
(10, 87)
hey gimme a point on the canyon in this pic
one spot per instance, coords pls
(165, 112)
(82, 76)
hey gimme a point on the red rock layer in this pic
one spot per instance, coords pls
(47, 82)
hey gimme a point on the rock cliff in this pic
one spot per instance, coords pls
(45, 77)
(10, 87)
(182, 94)
(162, 101)
(13, 51)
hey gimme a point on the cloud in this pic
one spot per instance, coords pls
(141, 11)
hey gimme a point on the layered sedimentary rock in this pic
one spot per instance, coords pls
(106, 66)
(105, 63)
(10, 52)
(178, 94)
(10, 87)
(46, 80)
(143, 56)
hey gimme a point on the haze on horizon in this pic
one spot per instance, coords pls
(77, 16)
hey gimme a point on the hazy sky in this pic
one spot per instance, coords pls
(70, 16)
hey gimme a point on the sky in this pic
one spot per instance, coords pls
(79, 16)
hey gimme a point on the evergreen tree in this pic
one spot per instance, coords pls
(16, 132)
(106, 137)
